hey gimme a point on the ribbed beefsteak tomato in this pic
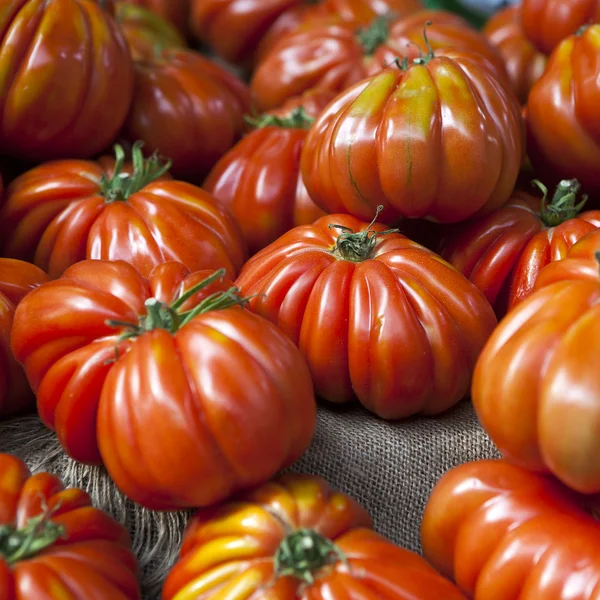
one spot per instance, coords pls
(183, 395)
(67, 79)
(174, 11)
(17, 278)
(503, 533)
(440, 138)
(55, 545)
(336, 54)
(537, 362)
(259, 180)
(524, 63)
(188, 108)
(378, 317)
(297, 539)
(563, 120)
(503, 253)
(548, 22)
(62, 212)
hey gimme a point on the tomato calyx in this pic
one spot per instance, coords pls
(304, 552)
(373, 36)
(563, 205)
(357, 247)
(296, 119)
(422, 59)
(121, 185)
(38, 534)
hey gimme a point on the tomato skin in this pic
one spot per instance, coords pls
(179, 98)
(145, 30)
(502, 532)
(55, 216)
(380, 330)
(94, 557)
(244, 536)
(17, 278)
(548, 22)
(67, 79)
(563, 126)
(174, 11)
(400, 114)
(88, 385)
(524, 63)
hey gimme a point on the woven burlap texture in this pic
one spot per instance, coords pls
(390, 468)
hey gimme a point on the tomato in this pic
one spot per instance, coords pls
(563, 121)
(457, 128)
(259, 181)
(17, 278)
(548, 22)
(54, 544)
(378, 317)
(502, 533)
(146, 31)
(524, 64)
(62, 212)
(174, 11)
(67, 79)
(184, 400)
(336, 54)
(312, 101)
(180, 98)
(503, 252)
(297, 539)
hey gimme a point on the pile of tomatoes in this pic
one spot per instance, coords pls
(379, 204)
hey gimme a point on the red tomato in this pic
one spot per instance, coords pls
(146, 31)
(548, 22)
(62, 212)
(297, 539)
(184, 403)
(17, 278)
(188, 108)
(313, 101)
(503, 533)
(174, 11)
(67, 79)
(563, 120)
(54, 544)
(259, 180)
(335, 54)
(462, 152)
(503, 252)
(524, 64)
(378, 317)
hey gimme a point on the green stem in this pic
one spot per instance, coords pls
(373, 36)
(297, 119)
(564, 205)
(357, 247)
(121, 185)
(423, 60)
(303, 553)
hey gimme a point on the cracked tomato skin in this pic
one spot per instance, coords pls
(548, 22)
(227, 394)
(458, 129)
(92, 560)
(229, 551)
(563, 121)
(502, 532)
(400, 330)
(17, 279)
(55, 216)
(67, 79)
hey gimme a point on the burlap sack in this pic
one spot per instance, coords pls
(389, 467)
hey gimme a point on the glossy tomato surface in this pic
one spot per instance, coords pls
(251, 549)
(502, 532)
(457, 128)
(67, 79)
(563, 121)
(62, 212)
(183, 408)
(378, 317)
(55, 545)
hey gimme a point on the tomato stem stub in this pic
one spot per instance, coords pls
(373, 36)
(297, 119)
(563, 205)
(302, 553)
